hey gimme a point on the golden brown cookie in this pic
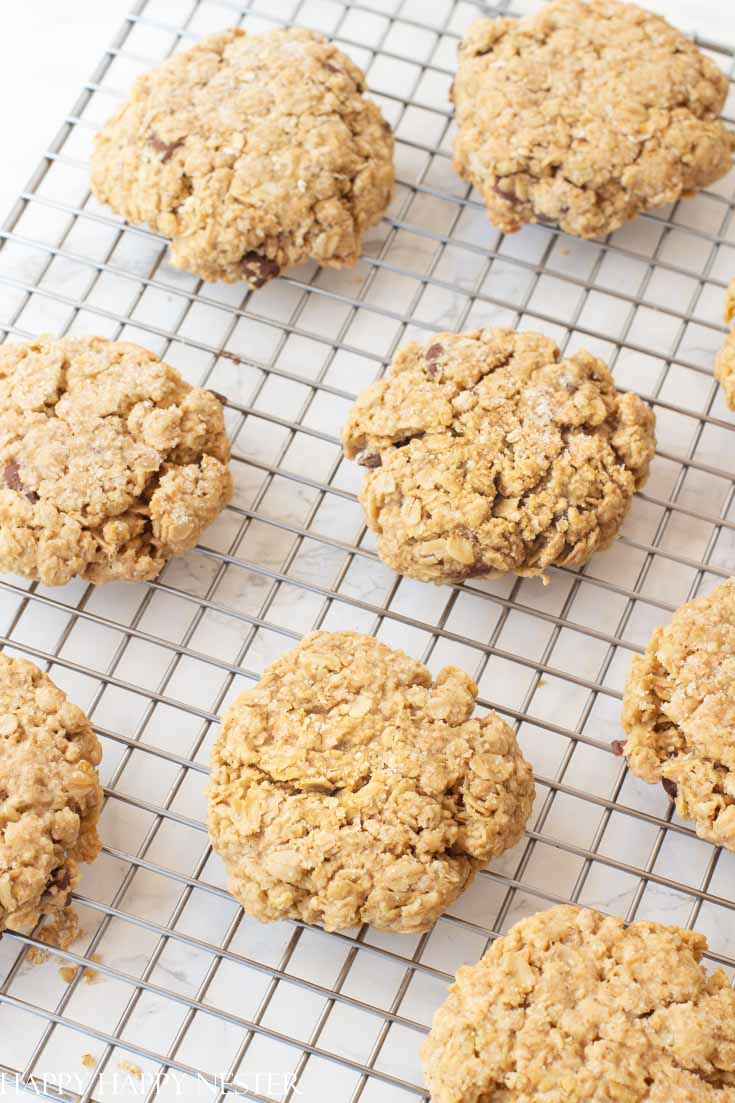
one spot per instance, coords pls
(487, 452)
(573, 1007)
(586, 114)
(347, 787)
(109, 462)
(50, 796)
(679, 713)
(252, 153)
(725, 362)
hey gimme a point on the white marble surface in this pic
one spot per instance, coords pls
(47, 49)
(294, 583)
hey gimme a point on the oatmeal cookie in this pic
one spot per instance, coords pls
(487, 453)
(50, 797)
(347, 787)
(252, 153)
(586, 114)
(679, 713)
(109, 462)
(725, 363)
(573, 1007)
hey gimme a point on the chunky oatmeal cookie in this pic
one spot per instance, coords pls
(252, 153)
(573, 1007)
(488, 453)
(109, 462)
(679, 713)
(348, 787)
(725, 363)
(50, 797)
(586, 114)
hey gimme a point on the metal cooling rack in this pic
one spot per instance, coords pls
(190, 999)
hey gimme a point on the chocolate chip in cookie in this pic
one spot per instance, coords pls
(368, 459)
(167, 149)
(670, 788)
(11, 474)
(257, 269)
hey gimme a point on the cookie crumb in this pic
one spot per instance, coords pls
(58, 932)
(62, 930)
(93, 976)
(37, 956)
(133, 1070)
(89, 975)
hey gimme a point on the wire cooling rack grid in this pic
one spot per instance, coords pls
(188, 998)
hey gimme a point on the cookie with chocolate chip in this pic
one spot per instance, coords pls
(585, 114)
(679, 713)
(110, 463)
(50, 796)
(488, 452)
(252, 153)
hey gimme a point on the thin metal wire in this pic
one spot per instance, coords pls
(632, 593)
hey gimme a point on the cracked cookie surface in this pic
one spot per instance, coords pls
(586, 114)
(110, 463)
(252, 153)
(50, 796)
(487, 453)
(573, 1007)
(725, 362)
(679, 713)
(348, 787)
